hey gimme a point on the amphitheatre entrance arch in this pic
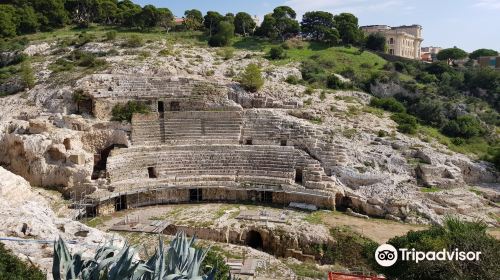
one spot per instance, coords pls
(254, 240)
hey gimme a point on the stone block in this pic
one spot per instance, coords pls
(78, 159)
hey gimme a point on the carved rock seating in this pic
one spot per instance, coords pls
(213, 165)
(188, 127)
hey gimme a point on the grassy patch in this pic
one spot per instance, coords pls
(314, 218)
(97, 221)
(431, 189)
(306, 269)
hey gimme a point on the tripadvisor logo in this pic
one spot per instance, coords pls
(386, 255)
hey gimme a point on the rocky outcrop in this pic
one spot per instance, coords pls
(27, 215)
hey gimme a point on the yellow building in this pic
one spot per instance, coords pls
(401, 41)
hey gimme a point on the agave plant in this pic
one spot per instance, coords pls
(179, 262)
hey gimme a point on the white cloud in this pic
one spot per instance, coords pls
(352, 6)
(489, 4)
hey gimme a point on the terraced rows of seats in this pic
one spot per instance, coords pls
(188, 127)
(116, 86)
(215, 163)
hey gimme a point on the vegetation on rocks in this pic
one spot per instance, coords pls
(12, 268)
(124, 112)
(251, 79)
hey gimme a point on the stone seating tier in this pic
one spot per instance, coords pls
(264, 164)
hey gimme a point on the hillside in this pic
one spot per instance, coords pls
(271, 146)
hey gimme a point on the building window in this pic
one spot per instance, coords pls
(391, 51)
(391, 41)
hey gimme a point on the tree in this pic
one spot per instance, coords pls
(165, 19)
(347, 25)
(452, 54)
(229, 17)
(267, 28)
(27, 75)
(83, 12)
(193, 19)
(211, 21)
(244, 24)
(7, 21)
(51, 13)
(251, 79)
(148, 17)
(332, 36)
(482, 52)
(108, 11)
(128, 13)
(285, 24)
(375, 42)
(27, 20)
(317, 25)
(225, 32)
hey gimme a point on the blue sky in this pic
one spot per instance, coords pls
(468, 24)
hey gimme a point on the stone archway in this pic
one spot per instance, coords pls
(254, 239)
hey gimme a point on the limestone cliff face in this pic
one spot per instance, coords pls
(27, 215)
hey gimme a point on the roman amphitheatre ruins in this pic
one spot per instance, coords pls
(206, 144)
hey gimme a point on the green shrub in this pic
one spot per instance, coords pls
(124, 112)
(251, 79)
(382, 133)
(61, 65)
(12, 268)
(111, 35)
(464, 126)
(389, 104)
(84, 38)
(276, 53)
(226, 53)
(406, 123)
(27, 75)
(293, 80)
(134, 41)
(334, 82)
(86, 59)
(312, 71)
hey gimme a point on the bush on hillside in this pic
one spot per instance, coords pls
(335, 82)
(464, 126)
(276, 53)
(389, 104)
(406, 123)
(251, 79)
(27, 75)
(134, 41)
(124, 112)
(312, 71)
(111, 35)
